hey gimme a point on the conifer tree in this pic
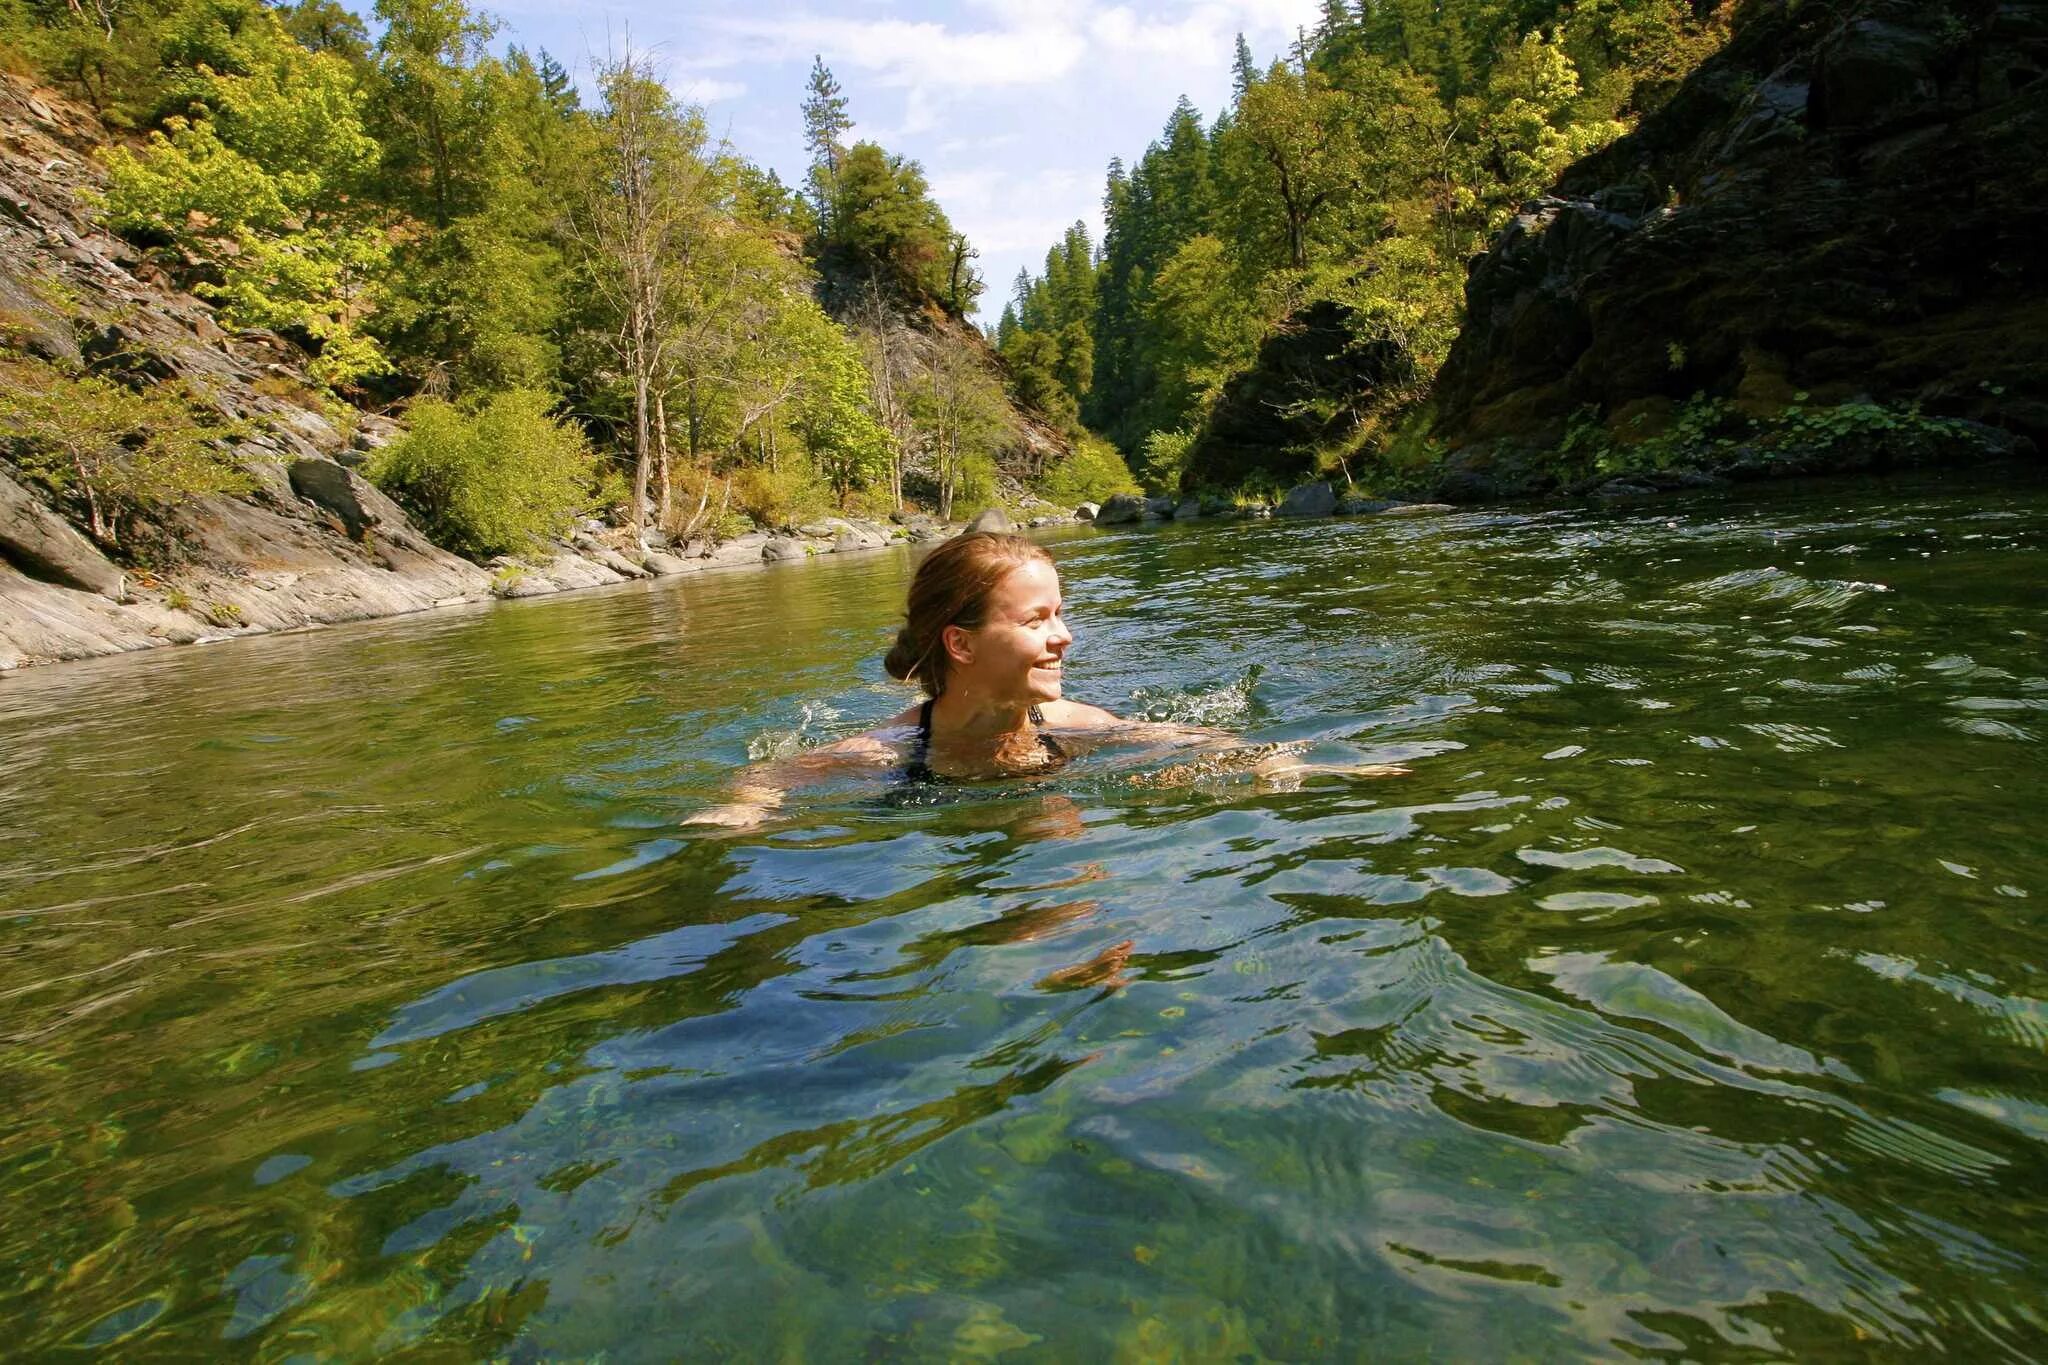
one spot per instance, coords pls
(825, 127)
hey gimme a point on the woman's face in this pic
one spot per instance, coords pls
(1016, 651)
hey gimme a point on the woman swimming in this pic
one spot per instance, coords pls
(985, 638)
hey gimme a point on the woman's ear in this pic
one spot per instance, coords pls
(959, 645)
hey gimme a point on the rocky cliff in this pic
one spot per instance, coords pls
(1848, 204)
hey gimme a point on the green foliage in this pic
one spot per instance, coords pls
(1092, 473)
(494, 478)
(1709, 433)
(259, 173)
(118, 451)
(1363, 170)
(882, 225)
(833, 414)
(1166, 456)
(787, 496)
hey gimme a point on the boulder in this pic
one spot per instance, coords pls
(1159, 508)
(784, 547)
(860, 537)
(617, 562)
(993, 519)
(1308, 500)
(327, 485)
(1188, 510)
(1121, 508)
(746, 549)
(1358, 507)
(664, 565)
(1088, 511)
(43, 545)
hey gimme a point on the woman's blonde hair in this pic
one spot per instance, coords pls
(952, 588)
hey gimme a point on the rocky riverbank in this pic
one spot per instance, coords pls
(310, 542)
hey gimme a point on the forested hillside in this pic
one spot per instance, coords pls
(1278, 291)
(575, 301)
(1335, 202)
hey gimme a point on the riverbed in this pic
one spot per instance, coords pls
(360, 990)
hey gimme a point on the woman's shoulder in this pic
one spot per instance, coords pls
(1078, 715)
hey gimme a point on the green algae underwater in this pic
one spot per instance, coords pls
(362, 996)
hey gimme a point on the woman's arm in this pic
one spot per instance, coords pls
(758, 789)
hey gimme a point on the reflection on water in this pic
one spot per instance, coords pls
(360, 992)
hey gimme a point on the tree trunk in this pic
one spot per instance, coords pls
(638, 512)
(662, 480)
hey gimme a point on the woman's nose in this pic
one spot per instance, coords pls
(1061, 636)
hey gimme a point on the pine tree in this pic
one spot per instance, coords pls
(825, 127)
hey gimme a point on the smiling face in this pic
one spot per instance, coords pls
(1016, 651)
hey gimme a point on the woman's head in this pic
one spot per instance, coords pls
(984, 612)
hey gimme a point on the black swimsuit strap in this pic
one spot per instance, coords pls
(918, 769)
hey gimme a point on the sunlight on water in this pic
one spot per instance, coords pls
(361, 992)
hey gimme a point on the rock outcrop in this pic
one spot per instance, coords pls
(38, 541)
(1848, 203)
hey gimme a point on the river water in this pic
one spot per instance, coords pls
(359, 991)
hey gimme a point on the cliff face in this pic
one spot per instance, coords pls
(1849, 202)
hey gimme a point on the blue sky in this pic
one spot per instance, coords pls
(1014, 107)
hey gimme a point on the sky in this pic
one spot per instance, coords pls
(1013, 107)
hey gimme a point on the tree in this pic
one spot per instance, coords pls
(262, 173)
(885, 228)
(888, 356)
(961, 408)
(495, 477)
(643, 200)
(118, 450)
(826, 125)
(432, 103)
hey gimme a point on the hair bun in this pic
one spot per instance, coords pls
(902, 660)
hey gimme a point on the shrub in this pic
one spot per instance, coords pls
(1166, 454)
(489, 479)
(781, 497)
(118, 450)
(1092, 473)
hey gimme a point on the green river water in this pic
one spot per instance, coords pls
(360, 995)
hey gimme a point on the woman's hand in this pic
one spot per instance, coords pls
(1284, 772)
(738, 815)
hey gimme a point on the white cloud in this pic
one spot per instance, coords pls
(920, 54)
(704, 90)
